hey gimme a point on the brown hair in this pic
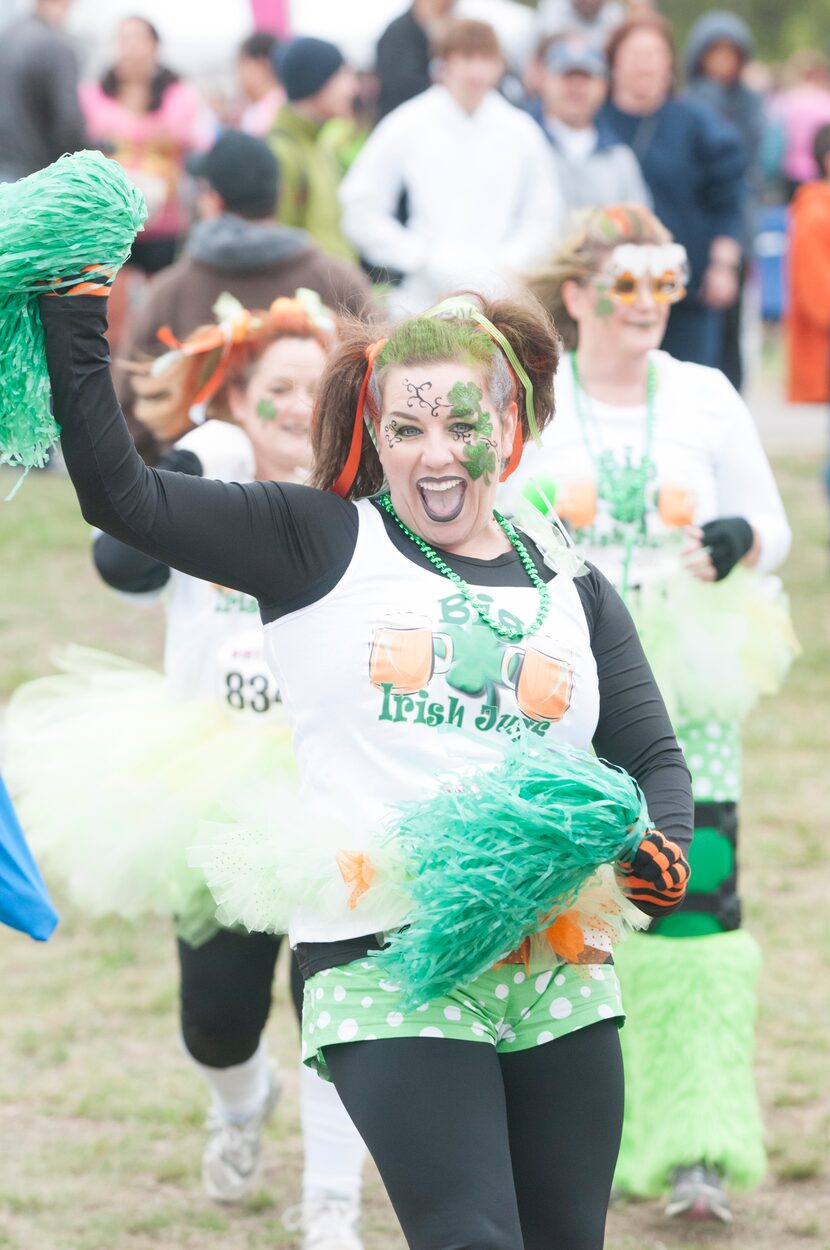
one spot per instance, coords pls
(523, 321)
(465, 37)
(644, 21)
(582, 252)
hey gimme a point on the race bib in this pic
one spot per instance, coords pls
(243, 680)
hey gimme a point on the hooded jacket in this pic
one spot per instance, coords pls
(808, 318)
(255, 261)
(609, 174)
(736, 103)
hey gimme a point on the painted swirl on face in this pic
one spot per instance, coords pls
(266, 410)
(416, 396)
(391, 432)
(477, 433)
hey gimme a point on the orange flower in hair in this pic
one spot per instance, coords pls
(212, 354)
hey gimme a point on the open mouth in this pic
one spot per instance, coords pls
(442, 497)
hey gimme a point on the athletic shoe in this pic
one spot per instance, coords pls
(328, 1222)
(231, 1161)
(697, 1194)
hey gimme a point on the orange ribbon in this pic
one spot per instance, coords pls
(565, 938)
(347, 475)
(358, 871)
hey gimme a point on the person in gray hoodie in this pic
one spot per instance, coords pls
(593, 167)
(717, 49)
(237, 247)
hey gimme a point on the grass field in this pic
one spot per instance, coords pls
(100, 1115)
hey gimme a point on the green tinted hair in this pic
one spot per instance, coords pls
(433, 340)
(521, 319)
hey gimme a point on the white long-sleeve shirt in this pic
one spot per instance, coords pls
(705, 445)
(482, 191)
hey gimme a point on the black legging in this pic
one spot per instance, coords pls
(480, 1151)
(226, 995)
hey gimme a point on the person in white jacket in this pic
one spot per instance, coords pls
(482, 195)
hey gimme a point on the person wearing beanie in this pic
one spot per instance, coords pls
(319, 86)
(716, 51)
(236, 246)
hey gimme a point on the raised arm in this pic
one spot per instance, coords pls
(271, 541)
(124, 568)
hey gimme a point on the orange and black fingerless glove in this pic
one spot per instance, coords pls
(91, 280)
(656, 876)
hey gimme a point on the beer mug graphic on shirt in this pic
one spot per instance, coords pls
(675, 505)
(543, 683)
(403, 653)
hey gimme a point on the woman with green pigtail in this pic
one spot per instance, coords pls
(656, 466)
(444, 685)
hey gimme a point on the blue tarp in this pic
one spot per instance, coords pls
(24, 900)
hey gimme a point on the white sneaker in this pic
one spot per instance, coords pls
(231, 1160)
(698, 1194)
(328, 1222)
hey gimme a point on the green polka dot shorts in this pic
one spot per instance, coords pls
(713, 752)
(505, 1007)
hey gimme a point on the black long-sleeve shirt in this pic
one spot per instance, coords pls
(289, 545)
(402, 62)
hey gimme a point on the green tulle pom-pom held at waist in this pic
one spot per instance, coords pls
(81, 211)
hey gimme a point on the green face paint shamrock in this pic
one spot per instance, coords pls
(266, 410)
(480, 450)
(604, 306)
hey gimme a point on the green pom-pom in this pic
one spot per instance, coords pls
(82, 210)
(541, 493)
(494, 857)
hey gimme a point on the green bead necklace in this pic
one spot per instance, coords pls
(510, 635)
(623, 486)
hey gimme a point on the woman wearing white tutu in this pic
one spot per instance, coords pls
(657, 468)
(413, 633)
(115, 767)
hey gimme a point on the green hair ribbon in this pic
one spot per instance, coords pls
(465, 310)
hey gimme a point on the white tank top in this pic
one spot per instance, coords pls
(372, 675)
(213, 642)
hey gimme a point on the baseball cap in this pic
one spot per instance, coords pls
(242, 170)
(575, 56)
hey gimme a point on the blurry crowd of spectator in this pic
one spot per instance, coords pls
(441, 165)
